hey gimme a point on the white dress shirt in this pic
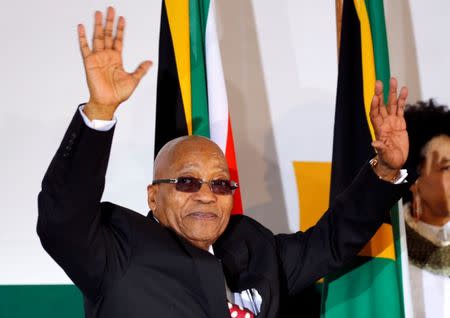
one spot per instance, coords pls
(97, 124)
(430, 292)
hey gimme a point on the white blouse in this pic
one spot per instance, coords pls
(430, 293)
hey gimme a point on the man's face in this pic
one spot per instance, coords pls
(200, 217)
(433, 185)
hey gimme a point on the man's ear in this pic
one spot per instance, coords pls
(152, 191)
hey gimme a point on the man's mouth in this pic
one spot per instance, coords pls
(203, 215)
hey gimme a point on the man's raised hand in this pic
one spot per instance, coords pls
(109, 84)
(391, 138)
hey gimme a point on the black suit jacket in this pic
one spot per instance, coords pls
(128, 265)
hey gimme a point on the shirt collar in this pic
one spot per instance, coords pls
(439, 235)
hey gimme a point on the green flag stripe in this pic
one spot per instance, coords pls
(40, 301)
(198, 13)
(375, 10)
(366, 291)
(369, 288)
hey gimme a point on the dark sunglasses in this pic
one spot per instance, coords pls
(191, 184)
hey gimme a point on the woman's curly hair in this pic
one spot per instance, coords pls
(424, 121)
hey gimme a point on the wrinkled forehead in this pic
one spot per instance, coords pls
(191, 154)
(197, 153)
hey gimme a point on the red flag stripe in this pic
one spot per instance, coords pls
(232, 165)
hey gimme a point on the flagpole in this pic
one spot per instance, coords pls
(339, 4)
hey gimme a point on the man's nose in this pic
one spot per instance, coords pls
(205, 194)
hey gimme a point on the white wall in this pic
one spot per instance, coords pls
(42, 83)
(280, 67)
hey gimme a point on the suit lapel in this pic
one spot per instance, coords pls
(211, 278)
(236, 261)
(232, 260)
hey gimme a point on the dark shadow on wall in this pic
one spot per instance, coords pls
(402, 47)
(262, 191)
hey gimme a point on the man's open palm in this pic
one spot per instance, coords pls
(109, 84)
(391, 137)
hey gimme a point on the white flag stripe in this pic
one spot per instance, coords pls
(217, 94)
(405, 262)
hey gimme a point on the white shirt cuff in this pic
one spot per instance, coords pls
(97, 124)
(402, 178)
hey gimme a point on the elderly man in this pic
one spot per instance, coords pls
(188, 257)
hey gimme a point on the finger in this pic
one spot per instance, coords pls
(392, 98)
(380, 99)
(141, 70)
(374, 114)
(402, 101)
(374, 107)
(109, 28)
(379, 91)
(118, 41)
(99, 37)
(84, 47)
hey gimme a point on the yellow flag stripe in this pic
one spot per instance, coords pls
(381, 244)
(368, 61)
(313, 188)
(178, 16)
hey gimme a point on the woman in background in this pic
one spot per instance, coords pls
(427, 209)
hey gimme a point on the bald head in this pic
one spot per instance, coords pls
(198, 216)
(178, 148)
